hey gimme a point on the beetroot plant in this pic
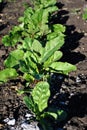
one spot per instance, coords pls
(36, 57)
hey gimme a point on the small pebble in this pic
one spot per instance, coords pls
(78, 80)
(11, 122)
(85, 34)
(26, 126)
(12, 128)
(71, 94)
(78, 17)
(64, 86)
(28, 115)
(6, 120)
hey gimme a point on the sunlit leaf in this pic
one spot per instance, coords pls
(41, 95)
(56, 56)
(7, 74)
(13, 58)
(51, 47)
(61, 67)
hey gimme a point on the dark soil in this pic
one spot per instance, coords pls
(73, 91)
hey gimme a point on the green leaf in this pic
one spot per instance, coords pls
(61, 67)
(41, 95)
(28, 77)
(40, 20)
(44, 28)
(51, 9)
(30, 60)
(44, 3)
(49, 2)
(7, 74)
(13, 58)
(13, 37)
(56, 56)
(52, 35)
(23, 67)
(84, 15)
(56, 114)
(6, 40)
(29, 103)
(52, 46)
(59, 28)
(27, 43)
(37, 16)
(32, 106)
(36, 46)
(61, 115)
(49, 114)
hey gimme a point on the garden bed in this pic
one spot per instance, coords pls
(72, 96)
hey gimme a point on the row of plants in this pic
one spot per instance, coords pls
(36, 57)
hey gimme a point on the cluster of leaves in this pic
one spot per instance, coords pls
(36, 56)
(36, 61)
(38, 52)
(34, 23)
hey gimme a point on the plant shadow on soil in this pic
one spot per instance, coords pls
(77, 106)
(3, 26)
(2, 5)
(72, 37)
(72, 42)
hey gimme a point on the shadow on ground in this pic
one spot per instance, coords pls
(72, 42)
(2, 5)
(78, 105)
(72, 37)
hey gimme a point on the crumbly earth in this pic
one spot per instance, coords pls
(73, 91)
